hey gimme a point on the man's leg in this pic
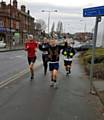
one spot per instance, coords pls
(54, 70)
(31, 66)
(66, 67)
(53, 77)
(52, 81)
(70, 63)
(55, 73)
(44, 64)
(45, 67)
(32, 70)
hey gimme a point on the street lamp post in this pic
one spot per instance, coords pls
(49, 13)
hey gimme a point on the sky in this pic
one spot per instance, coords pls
(69, 12)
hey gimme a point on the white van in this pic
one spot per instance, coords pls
(2, 44)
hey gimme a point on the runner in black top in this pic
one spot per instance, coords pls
(45, 44)
(53, 57)
(68, 53)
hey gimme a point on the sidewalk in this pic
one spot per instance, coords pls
(12, 49)
(99, 87)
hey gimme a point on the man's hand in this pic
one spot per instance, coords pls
(39, 43)
(27, 47)
(65, 40)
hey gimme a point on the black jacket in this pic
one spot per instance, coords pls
(53, 52)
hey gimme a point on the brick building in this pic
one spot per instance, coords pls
(15, 24)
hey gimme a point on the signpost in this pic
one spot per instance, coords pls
(93, 12)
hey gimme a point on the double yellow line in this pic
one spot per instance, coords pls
(15, 77)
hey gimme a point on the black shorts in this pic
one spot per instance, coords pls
(31, 60)
(66, 62)
(53, 66)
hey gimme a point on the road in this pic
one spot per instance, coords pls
(26, 100)
(12, 63)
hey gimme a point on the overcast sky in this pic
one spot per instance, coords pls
(69, 12)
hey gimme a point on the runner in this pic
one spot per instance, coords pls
(68, 53)
(30, 47)
(45, 44)
(53, 56)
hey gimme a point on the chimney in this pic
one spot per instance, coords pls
(23, 8)
(3, 4)
(28, 12)
(15, 3)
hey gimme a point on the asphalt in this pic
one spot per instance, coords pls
(26, 100)
(12, 63)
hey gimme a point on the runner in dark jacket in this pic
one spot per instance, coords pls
(53, 57)
(68, 53)
(45, 44)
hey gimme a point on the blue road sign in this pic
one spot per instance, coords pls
(93, 11)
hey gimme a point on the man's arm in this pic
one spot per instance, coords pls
(42, 48)
(63, 46)
(26, 47)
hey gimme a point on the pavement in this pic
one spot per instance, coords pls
(35, 100)
(99, 88)
(12, 49)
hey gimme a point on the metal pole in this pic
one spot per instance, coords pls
(98, 19)
(49, 13)
(10, 41)
(48, 22)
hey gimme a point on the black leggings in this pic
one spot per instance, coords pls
(45, 62)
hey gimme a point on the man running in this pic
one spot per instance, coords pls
(53, 56)
(68, 53)
(30, 47)
(45, 44)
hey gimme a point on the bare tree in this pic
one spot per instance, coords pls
(59, 28)
(42, 24)
(53, 27)
(37, 26)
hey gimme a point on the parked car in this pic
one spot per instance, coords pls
(2, 44)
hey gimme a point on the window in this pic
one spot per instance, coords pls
(17, 25)
(1, 23)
